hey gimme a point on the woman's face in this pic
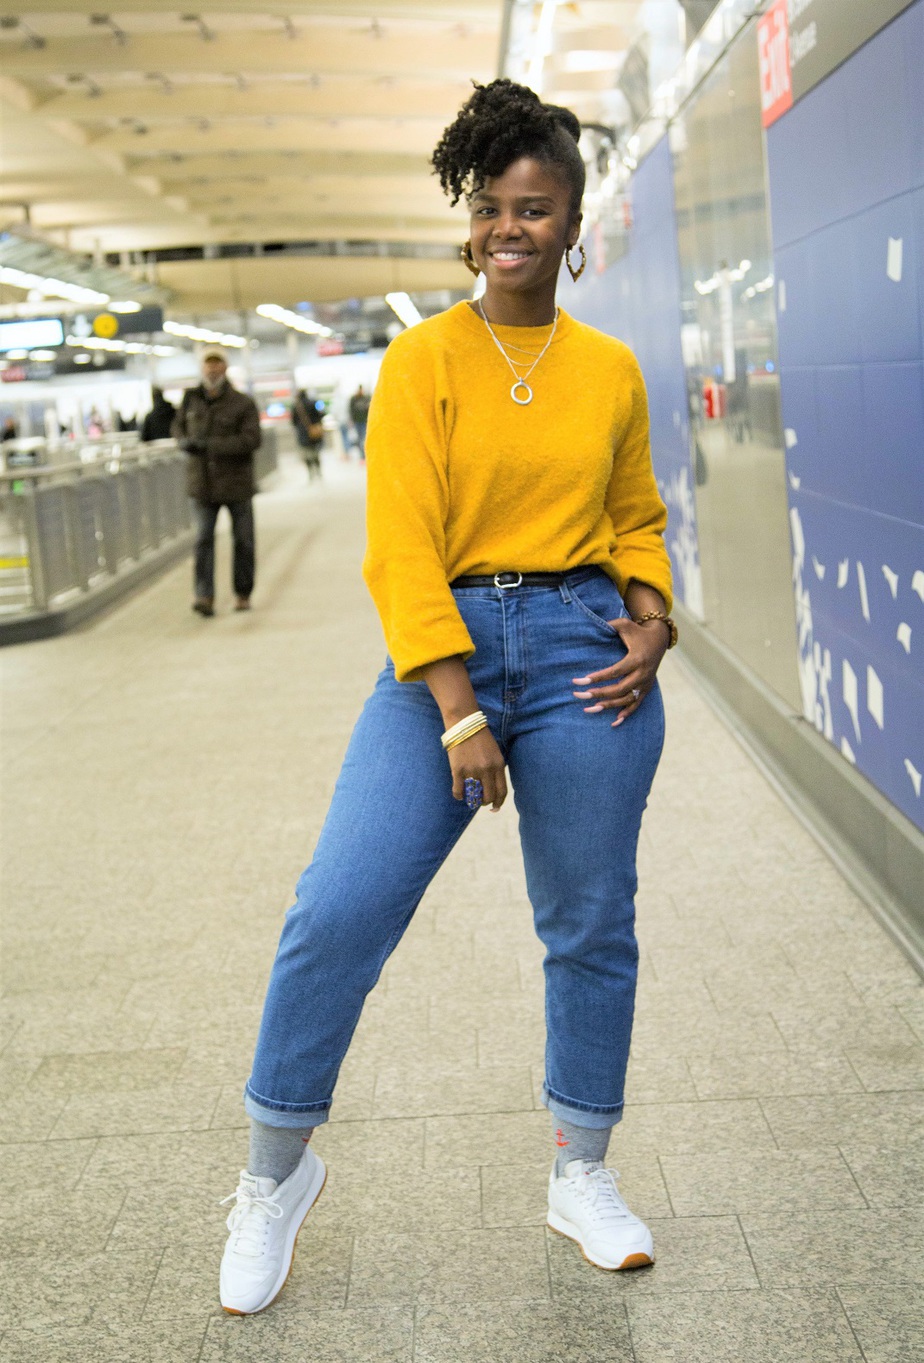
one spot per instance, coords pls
(521, 223)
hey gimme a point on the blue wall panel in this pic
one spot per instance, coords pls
(637, 298)
(889, 309)
(856, 139)
(846, 172)
(913, 46)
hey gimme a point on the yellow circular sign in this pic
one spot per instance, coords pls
(106, 325)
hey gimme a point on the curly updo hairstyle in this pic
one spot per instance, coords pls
(500, 123)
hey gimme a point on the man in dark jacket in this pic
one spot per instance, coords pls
(219, 428)
(158, 423)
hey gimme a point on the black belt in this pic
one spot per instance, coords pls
(507, 580)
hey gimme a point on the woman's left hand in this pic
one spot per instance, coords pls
(633, 676)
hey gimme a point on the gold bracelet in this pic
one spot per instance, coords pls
(463, 738)
(469, 733)
(463, 726)
(472, 727)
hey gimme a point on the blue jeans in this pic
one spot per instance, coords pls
(360, 429)
(580, 787)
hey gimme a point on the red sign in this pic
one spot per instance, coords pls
(714, 400)
(328, 346)
(773, 56)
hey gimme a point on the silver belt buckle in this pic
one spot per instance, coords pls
(505, 586)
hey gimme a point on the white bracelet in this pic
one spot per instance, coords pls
(478, 717)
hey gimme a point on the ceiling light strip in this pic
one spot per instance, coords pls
(118, 347)
(206, 334)
(52, 288)
(402, 306)
(287, 318)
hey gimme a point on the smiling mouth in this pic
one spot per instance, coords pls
(510, 255)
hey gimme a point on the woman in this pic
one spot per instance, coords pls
(517, 561)
(308, 420)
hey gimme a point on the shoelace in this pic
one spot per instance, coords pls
(599, 1191)
(247, 1221)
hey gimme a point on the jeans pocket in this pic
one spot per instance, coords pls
(595, 597)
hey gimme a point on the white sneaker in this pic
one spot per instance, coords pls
(264, 1225)
(585, 1205)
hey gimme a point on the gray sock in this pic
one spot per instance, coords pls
(579, 1142)
(276, 1150)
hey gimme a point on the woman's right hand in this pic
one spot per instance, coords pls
(479, 757)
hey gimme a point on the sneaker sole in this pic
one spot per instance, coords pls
(287, 1269)
(562, 1227)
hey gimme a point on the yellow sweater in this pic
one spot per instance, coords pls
(462, 480)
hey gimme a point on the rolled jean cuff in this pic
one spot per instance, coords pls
(285, 1114)
(581, 1114)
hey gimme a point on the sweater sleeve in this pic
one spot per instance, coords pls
(638, 514)
(406, 510)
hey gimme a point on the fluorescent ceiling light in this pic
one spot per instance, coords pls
(286, 318)
(401, 305)
(205, 334)
(712, 283)
(128, 306)
(542, 43)
(52, 288)
(117, 347)
(579, 60)
(43, 356)
(81, 359)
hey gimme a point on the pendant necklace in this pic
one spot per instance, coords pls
(520, 386)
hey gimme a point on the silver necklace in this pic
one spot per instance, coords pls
(520, 383)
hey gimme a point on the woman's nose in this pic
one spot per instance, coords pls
(506, 229)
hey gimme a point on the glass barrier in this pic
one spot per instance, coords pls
(729, 346)
(68, 528)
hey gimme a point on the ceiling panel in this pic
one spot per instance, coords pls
(145, 129)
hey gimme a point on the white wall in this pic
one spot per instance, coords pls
(339, 376)
(72, 397)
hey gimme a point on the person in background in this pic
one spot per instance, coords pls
(126, 423)
(158, 423)
(340, 411)
(359, 415)
(219, 428)
(9, 429)
(308, 420)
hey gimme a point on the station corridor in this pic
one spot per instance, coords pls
(165, 779)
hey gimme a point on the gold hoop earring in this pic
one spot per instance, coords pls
(468, 258)
(576, 273)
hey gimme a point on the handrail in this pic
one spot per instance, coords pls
(153, 452)
(76, 532)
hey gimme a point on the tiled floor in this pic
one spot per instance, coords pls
(165, 778)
